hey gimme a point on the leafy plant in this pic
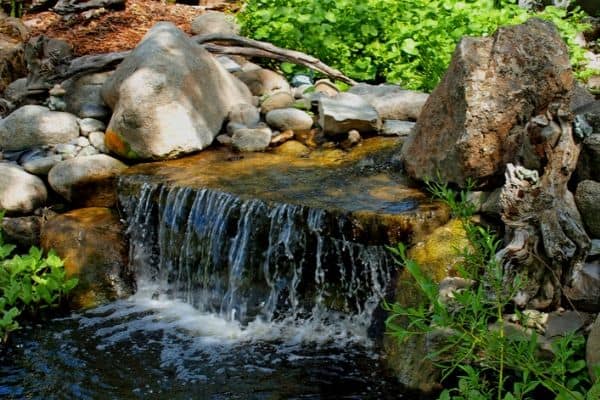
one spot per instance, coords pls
(29, 284)
(485, 356)
(409, 42)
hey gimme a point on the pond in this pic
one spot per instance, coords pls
(145, 347)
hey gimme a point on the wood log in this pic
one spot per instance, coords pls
(246, 47)
(278, 53)
(547, 244)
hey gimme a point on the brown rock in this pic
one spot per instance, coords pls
(94, 247)
(12, 62)
(473, 123)
(21, 231)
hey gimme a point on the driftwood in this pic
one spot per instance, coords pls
(47, 70)
(251, 47)
(547, 244)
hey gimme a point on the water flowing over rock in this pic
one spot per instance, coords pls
(169, 97)
(228, 244)
(472, 125)
(32, 126)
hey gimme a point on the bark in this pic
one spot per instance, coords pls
(547, 244)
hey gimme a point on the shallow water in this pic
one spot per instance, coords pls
(165, 349)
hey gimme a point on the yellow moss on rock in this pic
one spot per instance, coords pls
(438, 255)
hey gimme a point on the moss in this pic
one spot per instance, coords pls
(117, 144)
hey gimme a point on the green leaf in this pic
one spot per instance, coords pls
(409, 46)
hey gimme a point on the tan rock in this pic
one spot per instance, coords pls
(92, 243)
(472, 125)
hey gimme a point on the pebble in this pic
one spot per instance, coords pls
(87, 151)
(88, 125)
(42, 165)
(97, 140)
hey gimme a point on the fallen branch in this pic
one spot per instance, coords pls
(46, 78)
(255, 48)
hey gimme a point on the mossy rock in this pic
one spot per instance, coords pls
(92, 243)
(438, 256)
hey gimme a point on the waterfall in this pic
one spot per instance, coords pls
(248, 259)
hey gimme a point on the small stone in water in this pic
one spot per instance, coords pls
(97, 140)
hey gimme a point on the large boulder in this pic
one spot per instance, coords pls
(87, 181)
(169, 97)
(93, 244)
(20, 192)
(33, 126)
(474, 121)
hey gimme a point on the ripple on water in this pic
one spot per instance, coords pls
(145, 348)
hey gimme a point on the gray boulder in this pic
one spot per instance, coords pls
(214, 22)
(391, 101)
(169, 97)
(87, 180)
(587, 198)
(289, 118)
(41, 165)
(32, 126)
(20, 192)
(251, 139)
(392, 127)
(345, 112)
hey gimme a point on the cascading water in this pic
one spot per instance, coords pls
(257, 278)
(247, 260)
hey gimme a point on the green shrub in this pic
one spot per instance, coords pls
(483, 356)
(29, 284)
(409, 42)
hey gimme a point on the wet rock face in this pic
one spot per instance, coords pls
(92, 243)
(473, 122)
(169, 97)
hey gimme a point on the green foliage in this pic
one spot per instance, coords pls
(484, 356)
(29, 283)
(409, 42)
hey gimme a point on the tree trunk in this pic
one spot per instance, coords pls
(547, 244)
